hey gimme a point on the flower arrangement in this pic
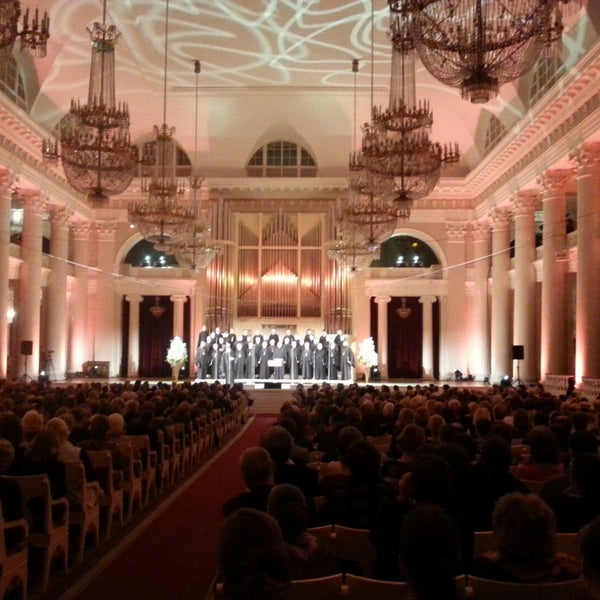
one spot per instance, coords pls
(177, 354)
(366, 353)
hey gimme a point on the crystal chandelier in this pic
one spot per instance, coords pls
(34, 33)
(195, 252)
(478, 45)
(95, 148)
(167, 214)
(396, 143)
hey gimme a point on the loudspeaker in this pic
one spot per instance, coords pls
(518, 352)
(26, 347)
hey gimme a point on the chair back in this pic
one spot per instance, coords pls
(318, 588)
(103, 467)
(362, 588)
(487, 589)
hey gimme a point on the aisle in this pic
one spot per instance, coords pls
(171, 554)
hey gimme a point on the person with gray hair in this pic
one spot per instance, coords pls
(256, 468)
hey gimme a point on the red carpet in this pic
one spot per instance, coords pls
(175, 556)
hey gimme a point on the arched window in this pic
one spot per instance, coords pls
(148, 152)
(546, 73)
(281, 159)
(405, 251)
(144, 254)
(11, 82)
(494, 133)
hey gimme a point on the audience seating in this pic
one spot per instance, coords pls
(163, 466)
(112, 498)
(148, 462)
(84, 505)
(48, 528)
(364, 588)
(483, 542)
(319, 588)
(487, 589)
(569, 544)
(175, 454)
(13, 561)
(132, 478)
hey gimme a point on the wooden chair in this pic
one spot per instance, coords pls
(84, 505)
(354, 546)
(163, 464)
(132, 478)
(185, 447)
(175, 455)
(318, 588)
(48, 521)
(487, 589)
(364, 588)
(13, 561)
(112, 498)
(568, 543)
(148, 460)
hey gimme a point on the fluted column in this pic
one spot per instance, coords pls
(427, 302)
(30, 279)
(553, 345)
(107, 332)
(524, 324)
(198, 307)
(587, 323)
(133, 354)
(501, 326)
(57, 325)
(479, 361)
(453, 351)
(382, 333)
(81, 338)
(6, 179)
(178, 302)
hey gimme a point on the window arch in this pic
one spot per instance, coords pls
(406, 251)
(281, 158)
(546, 73)
(494, 133)
(144, 254)
(12, 84)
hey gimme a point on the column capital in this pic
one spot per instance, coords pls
(481, 230)
(501, 217)
(586, 157)
(81, 229)
(525, 202)
(7, 178)
(106, 230)
(455, 231)
(427, 299)
(383, 299)
(33, 200)
(178, 298)
(60, 214)
(134, 298)
(553, 182)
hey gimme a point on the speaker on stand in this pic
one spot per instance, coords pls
(26, 351)
(518, 354)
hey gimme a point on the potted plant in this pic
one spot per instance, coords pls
(367, 356)
(177, 356)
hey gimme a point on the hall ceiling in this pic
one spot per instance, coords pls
(246, 47)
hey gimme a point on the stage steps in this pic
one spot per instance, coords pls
(268, 401)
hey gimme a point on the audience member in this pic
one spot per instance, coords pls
(256, 468)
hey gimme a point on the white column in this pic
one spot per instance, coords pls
(501, 326)
(587, 323)
(524, 325)
(81, 336)
(453, 353)
(479, 345)
(107, 331)
(178, 302)
(382, 333)
(133, 356)
(553, 345)
(427, 302)
(6, 179)
(30, 279)
(57, 324)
